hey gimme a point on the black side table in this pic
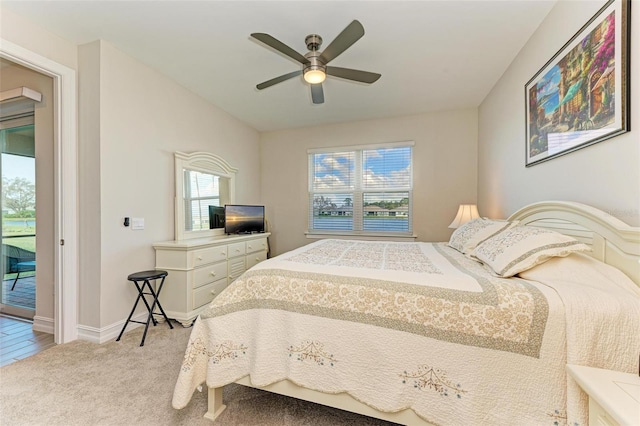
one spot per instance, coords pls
(145, 277)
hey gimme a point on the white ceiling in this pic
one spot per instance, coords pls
(433, 55)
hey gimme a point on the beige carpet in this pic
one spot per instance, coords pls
(121, 383)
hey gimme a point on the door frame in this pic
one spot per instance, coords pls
(65, 321)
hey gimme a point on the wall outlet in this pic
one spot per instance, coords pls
(137, 223)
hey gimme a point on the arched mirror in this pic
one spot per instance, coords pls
(204, 184)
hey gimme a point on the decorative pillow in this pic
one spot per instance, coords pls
(522, 247)
(472, 233)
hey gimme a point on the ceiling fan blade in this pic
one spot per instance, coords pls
(355, 75)
(280, 47)
(317, 94)
(277, 80)
(343, 41)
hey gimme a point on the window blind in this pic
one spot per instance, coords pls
(365, 189)
(201, 190)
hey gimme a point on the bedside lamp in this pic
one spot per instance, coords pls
(466, 212)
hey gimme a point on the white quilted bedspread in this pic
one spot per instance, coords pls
(417, 325)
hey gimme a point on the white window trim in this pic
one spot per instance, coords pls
(360, 147)
(367, 236)
(358, 192)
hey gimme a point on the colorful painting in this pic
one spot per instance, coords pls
(581, 95)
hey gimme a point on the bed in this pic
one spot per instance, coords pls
(419, 333)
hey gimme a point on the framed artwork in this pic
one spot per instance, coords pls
(581, 96)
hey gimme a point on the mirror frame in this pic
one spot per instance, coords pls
(203, 162)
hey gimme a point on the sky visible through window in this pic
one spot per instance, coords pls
(14, 166)
(387, 168)
(334, 171)
(382, 168)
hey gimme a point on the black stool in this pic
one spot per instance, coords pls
(146, 276)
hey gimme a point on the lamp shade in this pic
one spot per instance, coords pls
(466, 212)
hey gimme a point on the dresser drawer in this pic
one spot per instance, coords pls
(236, 249)
(209, 255)
(255, 258)
(205, 294)
(209, 273)
(256, 245)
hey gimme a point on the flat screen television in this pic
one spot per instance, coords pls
(243, 219)
(216, 217)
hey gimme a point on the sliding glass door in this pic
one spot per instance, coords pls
(18, 266)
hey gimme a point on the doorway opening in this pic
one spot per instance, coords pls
(64, 322)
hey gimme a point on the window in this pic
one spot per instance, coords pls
(18, 165)
(201, 190)
(360, 190)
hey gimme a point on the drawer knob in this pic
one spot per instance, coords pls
(199, 257)
(237, 250)
(213, 292)
(250, 247)
(257, 259)
(213, 274)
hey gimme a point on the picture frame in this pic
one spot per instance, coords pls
(581, 95)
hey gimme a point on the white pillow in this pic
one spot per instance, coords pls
(468, 236)
(522, 247)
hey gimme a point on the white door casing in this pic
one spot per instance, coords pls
(65, 185)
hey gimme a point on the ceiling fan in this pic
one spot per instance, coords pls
(314, 63)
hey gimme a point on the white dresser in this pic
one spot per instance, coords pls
(614, 397)
(200, 269)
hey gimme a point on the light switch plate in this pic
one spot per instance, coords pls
(137, 223)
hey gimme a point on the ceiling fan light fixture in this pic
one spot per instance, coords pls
(314, 76)
(314, 62)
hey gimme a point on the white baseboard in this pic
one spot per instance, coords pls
(91, 334)
(43, 324)
(104, 334)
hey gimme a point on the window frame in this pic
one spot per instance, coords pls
(358, 192)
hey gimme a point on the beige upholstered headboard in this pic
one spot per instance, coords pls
(612, 241)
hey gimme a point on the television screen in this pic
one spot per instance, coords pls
(216, 217)
(242, 219)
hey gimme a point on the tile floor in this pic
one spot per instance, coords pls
(17, 338)
(23, 295)
(19, 341)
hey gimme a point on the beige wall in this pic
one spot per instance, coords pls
(12, 77)
(445, 169)
(25, 33)
(132, 121)
(89, 198)
(605, 175)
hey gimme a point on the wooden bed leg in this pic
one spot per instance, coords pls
(215, 405)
